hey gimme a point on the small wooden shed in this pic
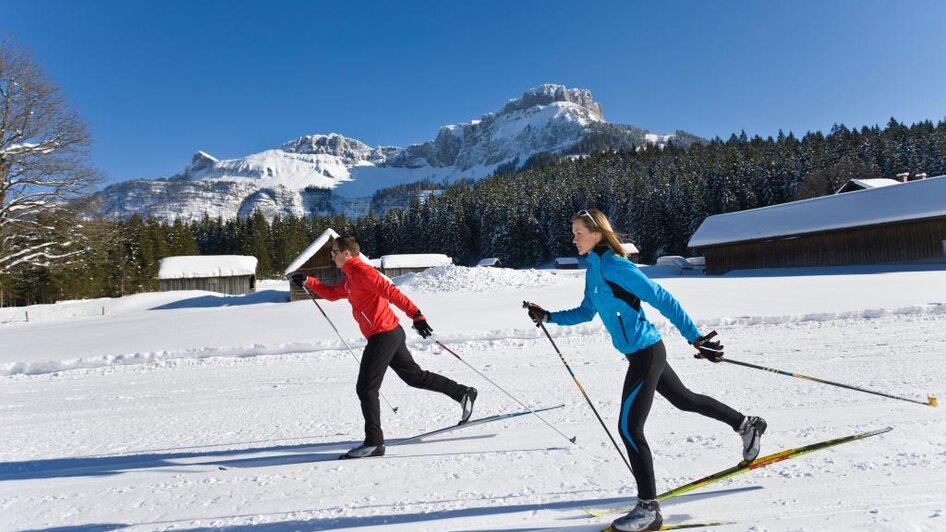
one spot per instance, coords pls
(316, 261)
(633, 254)
(566, 263)
(491, 262)
(226, 274)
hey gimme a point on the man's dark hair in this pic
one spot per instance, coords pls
(348, 243)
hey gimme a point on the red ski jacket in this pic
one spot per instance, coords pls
(369, 294)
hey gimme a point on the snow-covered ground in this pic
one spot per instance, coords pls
(193, 410)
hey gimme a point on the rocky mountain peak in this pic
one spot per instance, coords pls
(550, 93)
(350, 150)
(200, 162)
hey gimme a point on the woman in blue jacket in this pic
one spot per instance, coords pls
(614, 290)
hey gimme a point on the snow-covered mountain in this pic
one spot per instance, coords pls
(332, 173)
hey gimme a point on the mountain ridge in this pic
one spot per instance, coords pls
(332, 173)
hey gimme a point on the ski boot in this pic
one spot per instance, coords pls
(466, 403)
(751, 430)
(363, 451)
(644, 516)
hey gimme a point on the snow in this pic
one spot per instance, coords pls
(674, 261)
(189, 267)
(277, 167)
(657, 139)
(195, 411)
(417, 260)
(909, 201)
(461, 279)
(876, 182)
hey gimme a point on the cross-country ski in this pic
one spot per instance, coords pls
(744, 467)
(469, 424)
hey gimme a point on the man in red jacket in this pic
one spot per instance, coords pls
(370, 295)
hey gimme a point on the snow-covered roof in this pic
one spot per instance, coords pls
(418, 260)
(860, 184)
(492, 261)
(566, 260)
(674, 261)
(206, 266)
(629, 248)
(314, 248)
(925, 198)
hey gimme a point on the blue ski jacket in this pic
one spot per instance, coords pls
(614, 288)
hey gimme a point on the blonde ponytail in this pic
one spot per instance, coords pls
(597, 222)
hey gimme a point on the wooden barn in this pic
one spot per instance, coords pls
(633, 254)
(316, 261)
(904, 223)
(226, 274)
(394, 265)
(566, 263)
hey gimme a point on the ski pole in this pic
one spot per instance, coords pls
(447, 349)
(930, 400)
(525, 304)
(358, 360)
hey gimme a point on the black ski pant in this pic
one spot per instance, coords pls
(648, 372)
(388, 349)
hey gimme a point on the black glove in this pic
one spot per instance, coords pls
(536, 313)
(708, 349)
(298, 279)
(421, 326)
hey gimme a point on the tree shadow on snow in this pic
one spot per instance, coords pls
(211, 301)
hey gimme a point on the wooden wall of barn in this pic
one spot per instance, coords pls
(913, 241)
(319, 266)
(236, 285)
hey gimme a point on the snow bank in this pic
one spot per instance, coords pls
(464, 279)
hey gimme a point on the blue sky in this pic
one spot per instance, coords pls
(157, 81)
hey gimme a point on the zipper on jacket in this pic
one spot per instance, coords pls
(370, 325)
(621, 321)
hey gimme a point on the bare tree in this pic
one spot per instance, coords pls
(43, 165)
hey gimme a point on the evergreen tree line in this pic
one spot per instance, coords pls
(656, 197)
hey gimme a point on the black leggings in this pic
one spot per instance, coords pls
(388, 349)
(648, 372)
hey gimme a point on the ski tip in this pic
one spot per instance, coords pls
(932, 399)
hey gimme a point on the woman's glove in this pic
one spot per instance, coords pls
(536, 313)
(708, 349)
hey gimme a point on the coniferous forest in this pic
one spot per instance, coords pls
(656, 197)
